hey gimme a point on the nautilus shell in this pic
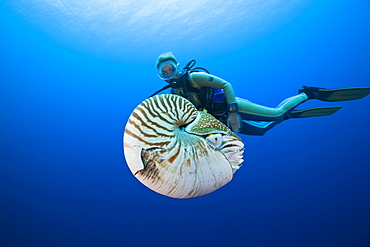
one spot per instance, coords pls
(178, 151)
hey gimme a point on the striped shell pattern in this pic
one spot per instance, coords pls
(178, 151)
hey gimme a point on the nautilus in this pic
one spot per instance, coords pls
(178, 151)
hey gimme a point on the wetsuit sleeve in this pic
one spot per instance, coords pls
(206, 80)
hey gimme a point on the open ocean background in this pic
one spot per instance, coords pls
(71, 72)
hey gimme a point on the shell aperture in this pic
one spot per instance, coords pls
(178, 151)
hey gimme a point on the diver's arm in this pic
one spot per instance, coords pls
(206, 80)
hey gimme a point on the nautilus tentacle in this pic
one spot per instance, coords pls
(178, 151)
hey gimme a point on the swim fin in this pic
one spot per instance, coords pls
(332, 95)
(313, 112)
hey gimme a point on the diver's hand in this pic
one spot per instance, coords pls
(234, 121)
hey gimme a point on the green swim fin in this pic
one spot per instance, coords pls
(314, 112)
(332, 95)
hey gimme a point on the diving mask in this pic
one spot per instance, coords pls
(167, 70)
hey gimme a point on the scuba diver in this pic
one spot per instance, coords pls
(216, 96)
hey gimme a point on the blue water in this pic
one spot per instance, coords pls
(69, 81)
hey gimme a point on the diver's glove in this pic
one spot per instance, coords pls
(234, 119)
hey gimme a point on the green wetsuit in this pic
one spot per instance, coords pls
(249, 111)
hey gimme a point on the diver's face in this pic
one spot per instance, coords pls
(168, 71)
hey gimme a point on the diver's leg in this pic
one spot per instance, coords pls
(251, 111)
